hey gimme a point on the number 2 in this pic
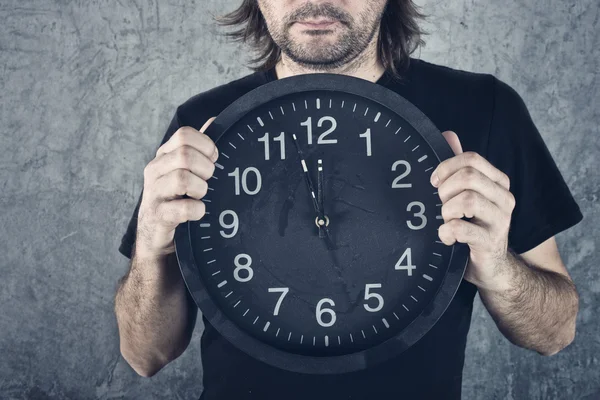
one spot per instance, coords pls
(397, 185)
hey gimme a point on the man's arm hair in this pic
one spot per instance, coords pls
(540, 309)
(155, 314)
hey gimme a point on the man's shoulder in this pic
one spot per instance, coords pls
(456, 88)
(450, 75)
(212, 101)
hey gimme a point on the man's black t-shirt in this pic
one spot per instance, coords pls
(490, 118)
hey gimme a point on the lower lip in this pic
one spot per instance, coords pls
(317, 26)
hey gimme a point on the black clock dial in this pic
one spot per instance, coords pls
(320, 236)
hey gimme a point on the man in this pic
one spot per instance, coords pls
(502, 177)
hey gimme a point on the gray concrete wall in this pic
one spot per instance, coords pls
(88, 88)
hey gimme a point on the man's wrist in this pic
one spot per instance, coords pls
(153, 247)
(508, 269)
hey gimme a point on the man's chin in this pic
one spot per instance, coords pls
(307, 46)
(313, 39)
(317, 63)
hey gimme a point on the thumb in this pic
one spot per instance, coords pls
(207, 124)
(453, 141)
(215, 156)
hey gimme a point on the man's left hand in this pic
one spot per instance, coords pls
(470, 186)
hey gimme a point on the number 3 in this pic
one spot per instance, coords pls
(420, 214)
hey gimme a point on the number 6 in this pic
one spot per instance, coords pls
(329, 311)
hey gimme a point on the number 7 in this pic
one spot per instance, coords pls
(283, 292)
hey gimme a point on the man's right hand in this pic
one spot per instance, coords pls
(181, 167)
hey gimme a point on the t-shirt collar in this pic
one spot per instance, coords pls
(270, 75)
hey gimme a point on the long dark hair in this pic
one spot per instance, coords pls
(399, 35)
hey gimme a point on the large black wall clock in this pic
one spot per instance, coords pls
(319, 251)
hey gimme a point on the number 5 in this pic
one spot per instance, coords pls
(368, 295)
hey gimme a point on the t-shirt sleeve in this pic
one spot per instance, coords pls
(128, 239)
(544, 204)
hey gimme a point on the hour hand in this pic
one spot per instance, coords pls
(320, 185)
(322, 220)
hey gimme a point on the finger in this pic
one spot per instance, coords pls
(471, 204)
(175, 212)
(458, 230)
(186, 135)
(185, 157)
(454, 142)
(469, 159)
(207, 124)
(472, 179)
(181, 182)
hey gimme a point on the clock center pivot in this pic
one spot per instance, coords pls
(320, 221)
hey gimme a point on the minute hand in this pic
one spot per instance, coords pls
(307, 179)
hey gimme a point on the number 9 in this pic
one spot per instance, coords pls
(234, 225)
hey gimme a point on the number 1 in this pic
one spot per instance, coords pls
(367, 135)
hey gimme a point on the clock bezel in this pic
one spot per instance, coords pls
(339, 363)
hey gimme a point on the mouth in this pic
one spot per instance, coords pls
(317, 24)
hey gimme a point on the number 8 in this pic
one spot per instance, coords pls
(246, 267)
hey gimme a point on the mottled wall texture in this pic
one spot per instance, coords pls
(88, 88)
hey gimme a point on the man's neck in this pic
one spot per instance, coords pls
(371, 69)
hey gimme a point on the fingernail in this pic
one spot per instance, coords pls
(435, 180)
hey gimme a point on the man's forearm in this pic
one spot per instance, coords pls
(150, 306)
(536, 310)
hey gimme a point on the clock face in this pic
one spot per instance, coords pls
(320, 236)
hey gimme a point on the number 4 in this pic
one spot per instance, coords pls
(409, 267)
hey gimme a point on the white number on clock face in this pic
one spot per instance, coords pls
(283, 292)
(236, 175)
(409, 267)
(245, 266)
(321, 140)
(397, 185)
(280, 139)
(322, 310)
(420, 214)
(370, 295)
(234, 224)
(367, 135)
